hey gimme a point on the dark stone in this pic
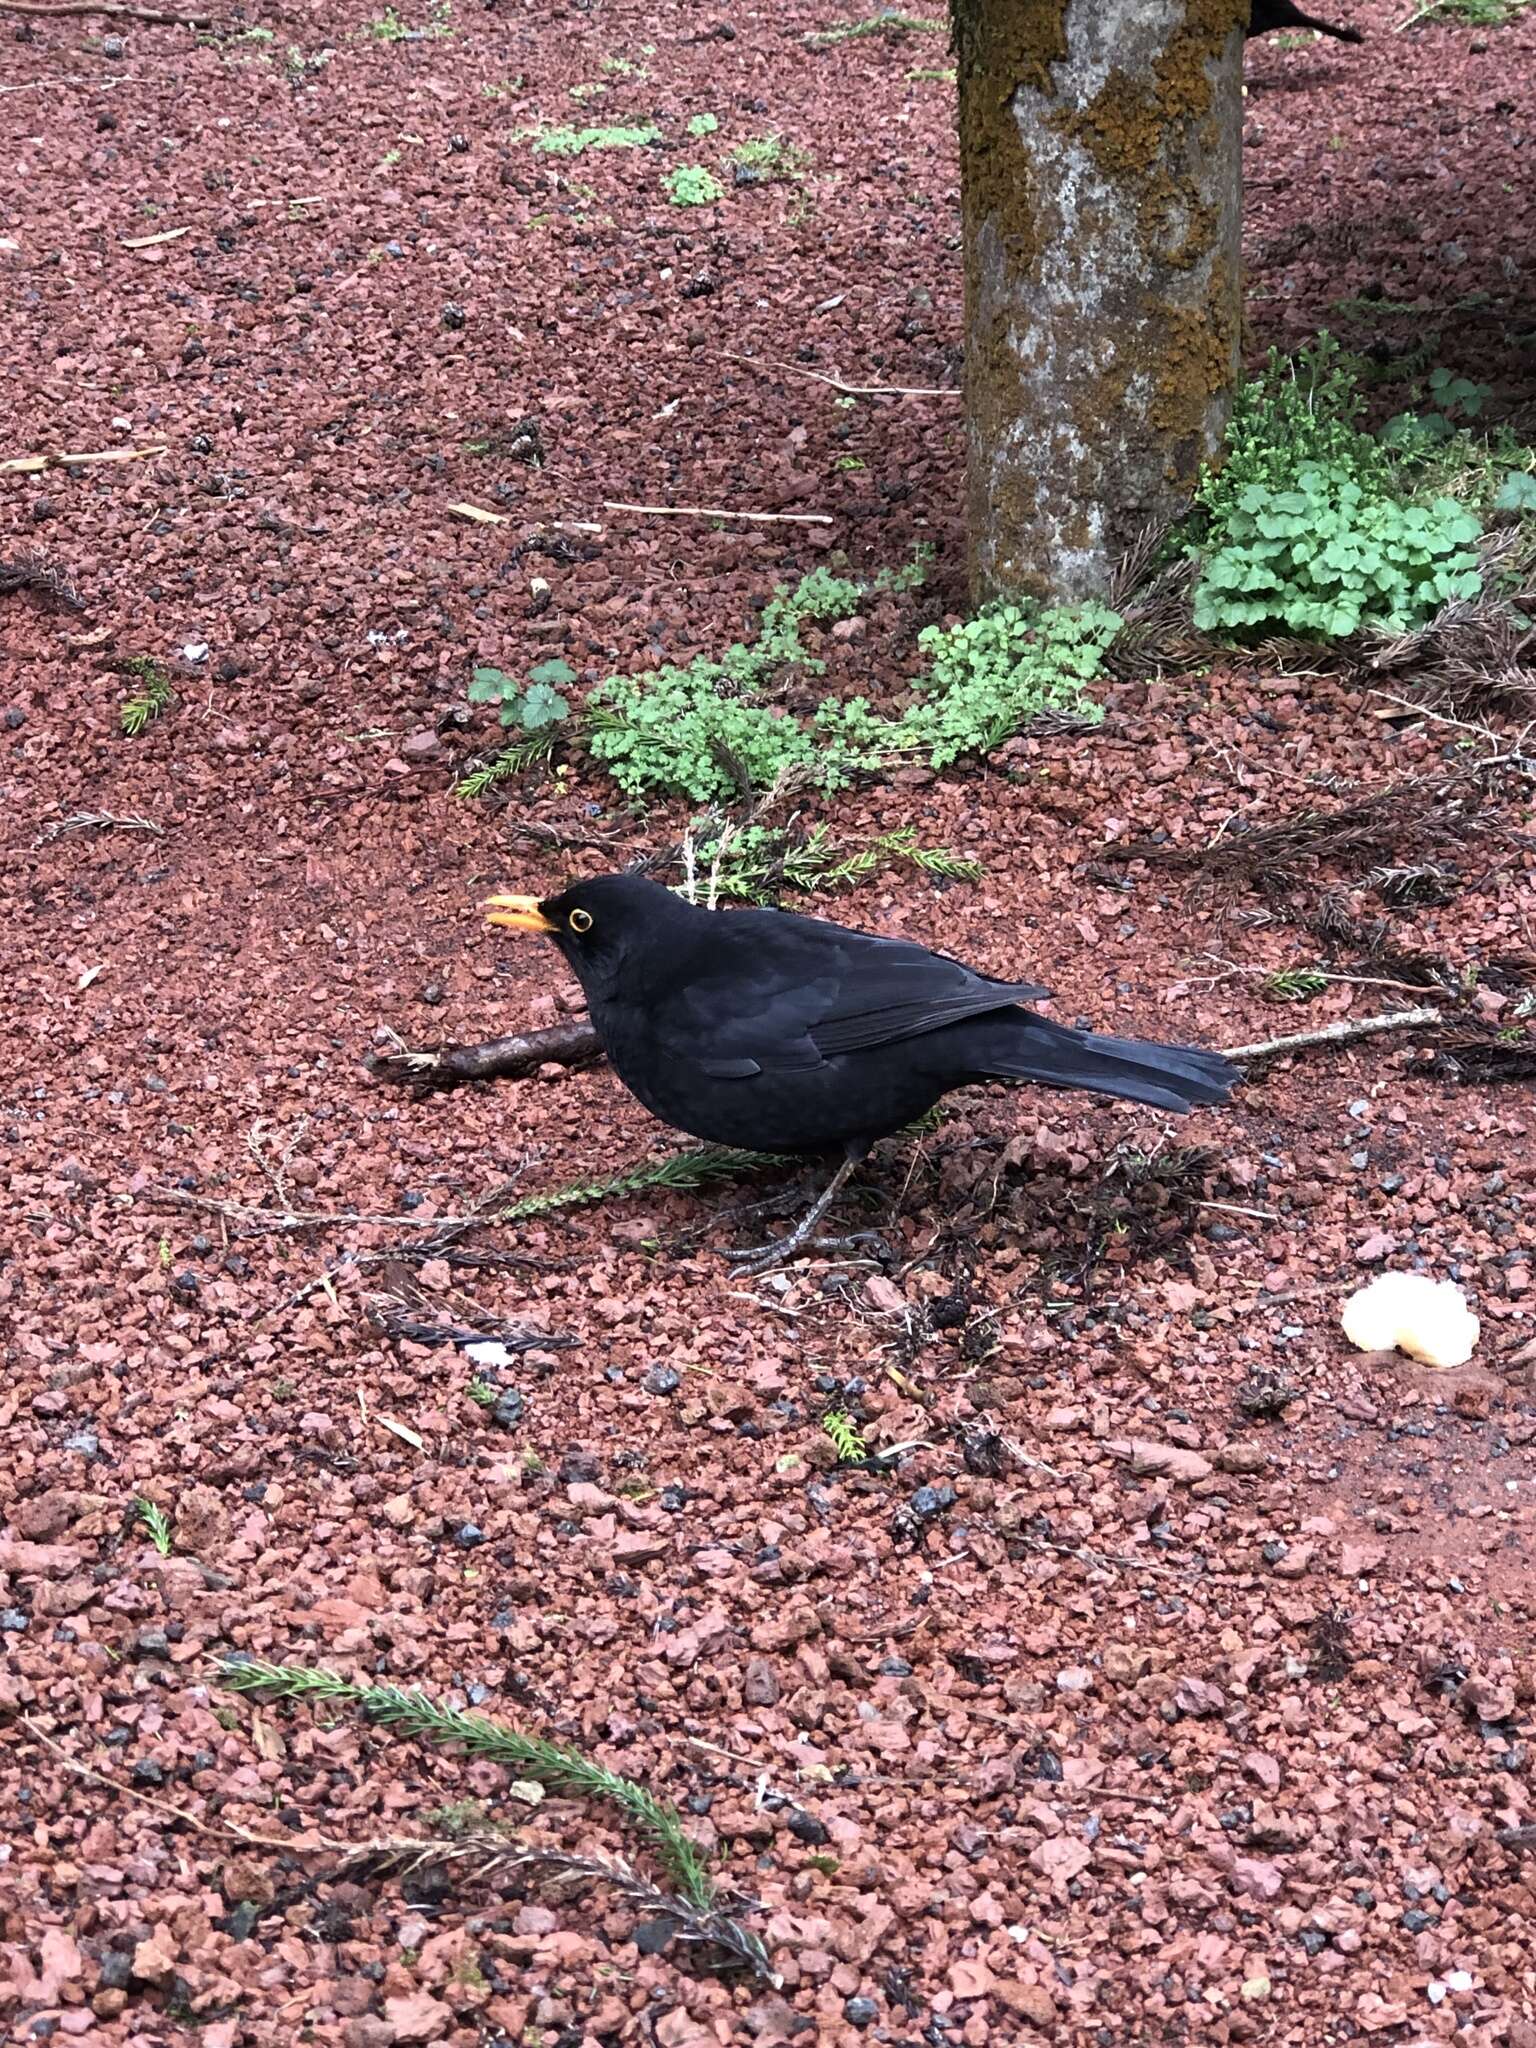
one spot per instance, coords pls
(929, 1501)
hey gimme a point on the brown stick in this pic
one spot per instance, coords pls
(155, 16)
(577, 1045)
(497, 1059)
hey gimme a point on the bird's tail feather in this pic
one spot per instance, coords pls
(1174, 1077)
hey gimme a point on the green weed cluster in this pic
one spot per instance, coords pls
(153, 695)
(577, 141)
(1311, 527)
(693, 185)
(533, 707)
(1326, 557)
(720, 729)
(759, 863)
(769, 159)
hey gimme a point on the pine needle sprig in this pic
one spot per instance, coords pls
(550, 1764)
(518, 759)
(484, 1854)
(156, 1524)
(676, 1170)
(846, 1436)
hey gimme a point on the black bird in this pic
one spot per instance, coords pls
(1265, 15)
(783, 1033)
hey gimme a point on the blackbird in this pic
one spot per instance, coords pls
(784, 1033)
(1265, 15)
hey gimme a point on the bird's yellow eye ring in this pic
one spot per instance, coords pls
(580, 920)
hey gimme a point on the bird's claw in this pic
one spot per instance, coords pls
(762, 1258)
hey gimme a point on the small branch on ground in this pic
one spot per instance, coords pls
(154, 17)
(1342, 1033)
(29, 465)
(494, 1059)
(1405, 820)
(720, 512)
(849, 390)
(482, 1853)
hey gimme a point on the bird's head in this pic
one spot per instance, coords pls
(605, 928)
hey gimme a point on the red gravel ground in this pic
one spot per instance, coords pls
(1217, 1738)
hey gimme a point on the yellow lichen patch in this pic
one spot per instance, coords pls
(999, 49)
(1196, 357)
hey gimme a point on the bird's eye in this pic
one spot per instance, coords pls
(580, 920)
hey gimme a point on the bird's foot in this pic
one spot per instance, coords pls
(763, 1258)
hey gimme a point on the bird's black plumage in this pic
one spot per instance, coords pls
(784, 1033)
(1265, 15)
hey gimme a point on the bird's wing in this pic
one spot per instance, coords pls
(804, 991)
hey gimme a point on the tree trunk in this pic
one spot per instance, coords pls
(1101, 175)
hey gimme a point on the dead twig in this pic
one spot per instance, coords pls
(1373, 828)
(849, 390)
(32, 572)
(1341, 1033)
(494, 1059)
(29, 465)
(484, 1854)
(720, 512)
(98, 821)
(156, 17)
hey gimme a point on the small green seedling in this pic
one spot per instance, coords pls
(157, 1525)
(1294, 984)
(153, 695)
(847, 1439)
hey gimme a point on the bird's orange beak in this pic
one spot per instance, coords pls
(517, 914)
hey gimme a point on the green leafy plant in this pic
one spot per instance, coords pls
(482, 1393)
(1314, 527)
(769, 159)
(1299, 413)
(1327, 557)
(718, 729)
(692, 185)
(157, 1524)
(153, 695)
(1517, 493)
(989, 676)
(847, 1439)
(534, 707)
(702, 125)
(577, 141)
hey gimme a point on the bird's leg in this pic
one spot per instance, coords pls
(804, 1232)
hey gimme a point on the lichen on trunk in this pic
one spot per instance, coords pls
(1101, 174)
